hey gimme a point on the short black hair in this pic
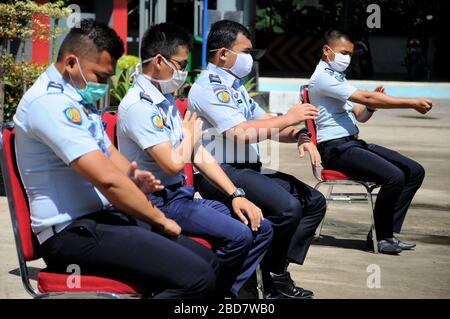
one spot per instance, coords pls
(336, 34)
(223, 33)
(164, 39)
(91, 35)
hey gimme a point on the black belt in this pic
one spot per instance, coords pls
(255, 166)
(171, 187)
(340, 139)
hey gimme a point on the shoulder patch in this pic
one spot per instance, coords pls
(157, 122)
(222, 93)
(73, 115)
(214, 78)
(145, 97)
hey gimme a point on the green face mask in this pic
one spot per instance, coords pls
(93, 91)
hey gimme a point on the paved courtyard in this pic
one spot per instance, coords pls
(338, 265)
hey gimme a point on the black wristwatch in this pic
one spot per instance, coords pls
(304, 131)
(239, 192)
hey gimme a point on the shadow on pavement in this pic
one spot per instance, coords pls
(32, 272)
(326, 240)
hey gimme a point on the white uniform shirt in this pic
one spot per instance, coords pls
(53, 128)
(329, 91)
(148, 118)
(222, 101)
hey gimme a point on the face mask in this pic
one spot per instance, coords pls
(243, 64)
(170, 85)
(92, 92)
(341, 61)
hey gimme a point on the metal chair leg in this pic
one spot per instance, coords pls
(374, 233)
(259, 283)
(317, 235)
(330, 191)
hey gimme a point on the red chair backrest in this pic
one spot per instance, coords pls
(18, 203)
(182, 106)
(310, 125)
(110, 120)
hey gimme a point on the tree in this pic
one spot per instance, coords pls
(23, 20)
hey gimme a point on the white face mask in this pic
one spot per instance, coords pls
(172, 84)
(341, 61)
(243, 64)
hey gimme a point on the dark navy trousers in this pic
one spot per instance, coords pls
(294, 209)
(399, 176)
(111, 244)
(239, 249)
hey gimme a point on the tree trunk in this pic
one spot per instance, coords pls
(3, 53)
(2, 94)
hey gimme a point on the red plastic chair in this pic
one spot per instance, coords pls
(332, 178)
(49, 284)
(182, 105)
(110, 122)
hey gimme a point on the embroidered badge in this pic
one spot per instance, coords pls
(157, 122)
(222, 93)
(73, 115)
(223, 96)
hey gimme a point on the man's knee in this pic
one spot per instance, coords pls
(266, 229)
(293, 210)
(207, 283)
(319, 203)
(417, 172)
(202, 284)
(244, 238)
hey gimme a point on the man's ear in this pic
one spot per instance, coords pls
(222, 54)
(158, 62)
(70, 62)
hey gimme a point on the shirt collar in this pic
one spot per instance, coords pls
(151, 90)
(54, 75)
(226, 77)
(325, 65)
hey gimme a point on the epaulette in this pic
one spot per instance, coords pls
(214, 78)
(56, 86)
(146, 97)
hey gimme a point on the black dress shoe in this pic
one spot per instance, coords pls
(403, 245)
(384, 247)
(285, 288)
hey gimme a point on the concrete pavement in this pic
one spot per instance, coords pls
(337, 265)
